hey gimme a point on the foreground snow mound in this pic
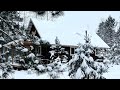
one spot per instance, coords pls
(24, 75)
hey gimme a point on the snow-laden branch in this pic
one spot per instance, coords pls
(5, 20)
(7, 35)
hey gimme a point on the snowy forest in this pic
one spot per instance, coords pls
(19, 57)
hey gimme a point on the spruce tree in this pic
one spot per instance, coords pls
(82, 65)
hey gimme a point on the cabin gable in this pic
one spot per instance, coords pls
(32, 29)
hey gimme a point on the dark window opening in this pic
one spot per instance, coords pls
(72, 50)
(38, 50)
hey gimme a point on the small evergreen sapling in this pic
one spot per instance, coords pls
(58, 51)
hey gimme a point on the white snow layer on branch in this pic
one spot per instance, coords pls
(24, 50)
(41, 67)
(6, 34)
(6, 20)
(2, 39)
(0, 46)
(13, 42)
(75, 59)
(31, 55)
(49, 68)
(52, 53)
(36, 61)
(37, 43)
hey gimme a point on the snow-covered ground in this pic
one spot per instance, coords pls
(25, 75)
(113, 72)
(48, 74)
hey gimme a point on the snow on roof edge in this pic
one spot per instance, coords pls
(102, 44)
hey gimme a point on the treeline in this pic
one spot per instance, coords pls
(107, 31)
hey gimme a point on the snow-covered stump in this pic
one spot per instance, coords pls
(29, 71)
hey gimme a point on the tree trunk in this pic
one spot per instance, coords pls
(12, 54)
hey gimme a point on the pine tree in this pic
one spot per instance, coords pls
(115, 49)
(9, 23)
(106, 31)
(9, 20)
(101, 30)
(117, 37)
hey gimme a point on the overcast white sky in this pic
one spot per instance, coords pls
(80, 20)
(86, 19)
(66, 27)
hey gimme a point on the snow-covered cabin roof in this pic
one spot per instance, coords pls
(66, 37)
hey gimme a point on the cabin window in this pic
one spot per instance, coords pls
(72, 50)
(38, 50)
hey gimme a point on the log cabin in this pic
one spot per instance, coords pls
(68, 39)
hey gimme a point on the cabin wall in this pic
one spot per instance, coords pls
(70, 49)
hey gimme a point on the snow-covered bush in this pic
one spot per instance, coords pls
(53, 75)
(100, 67)
(63, 68)
(6, 70)
(49, 68)
(115, 59)
(56, 68)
